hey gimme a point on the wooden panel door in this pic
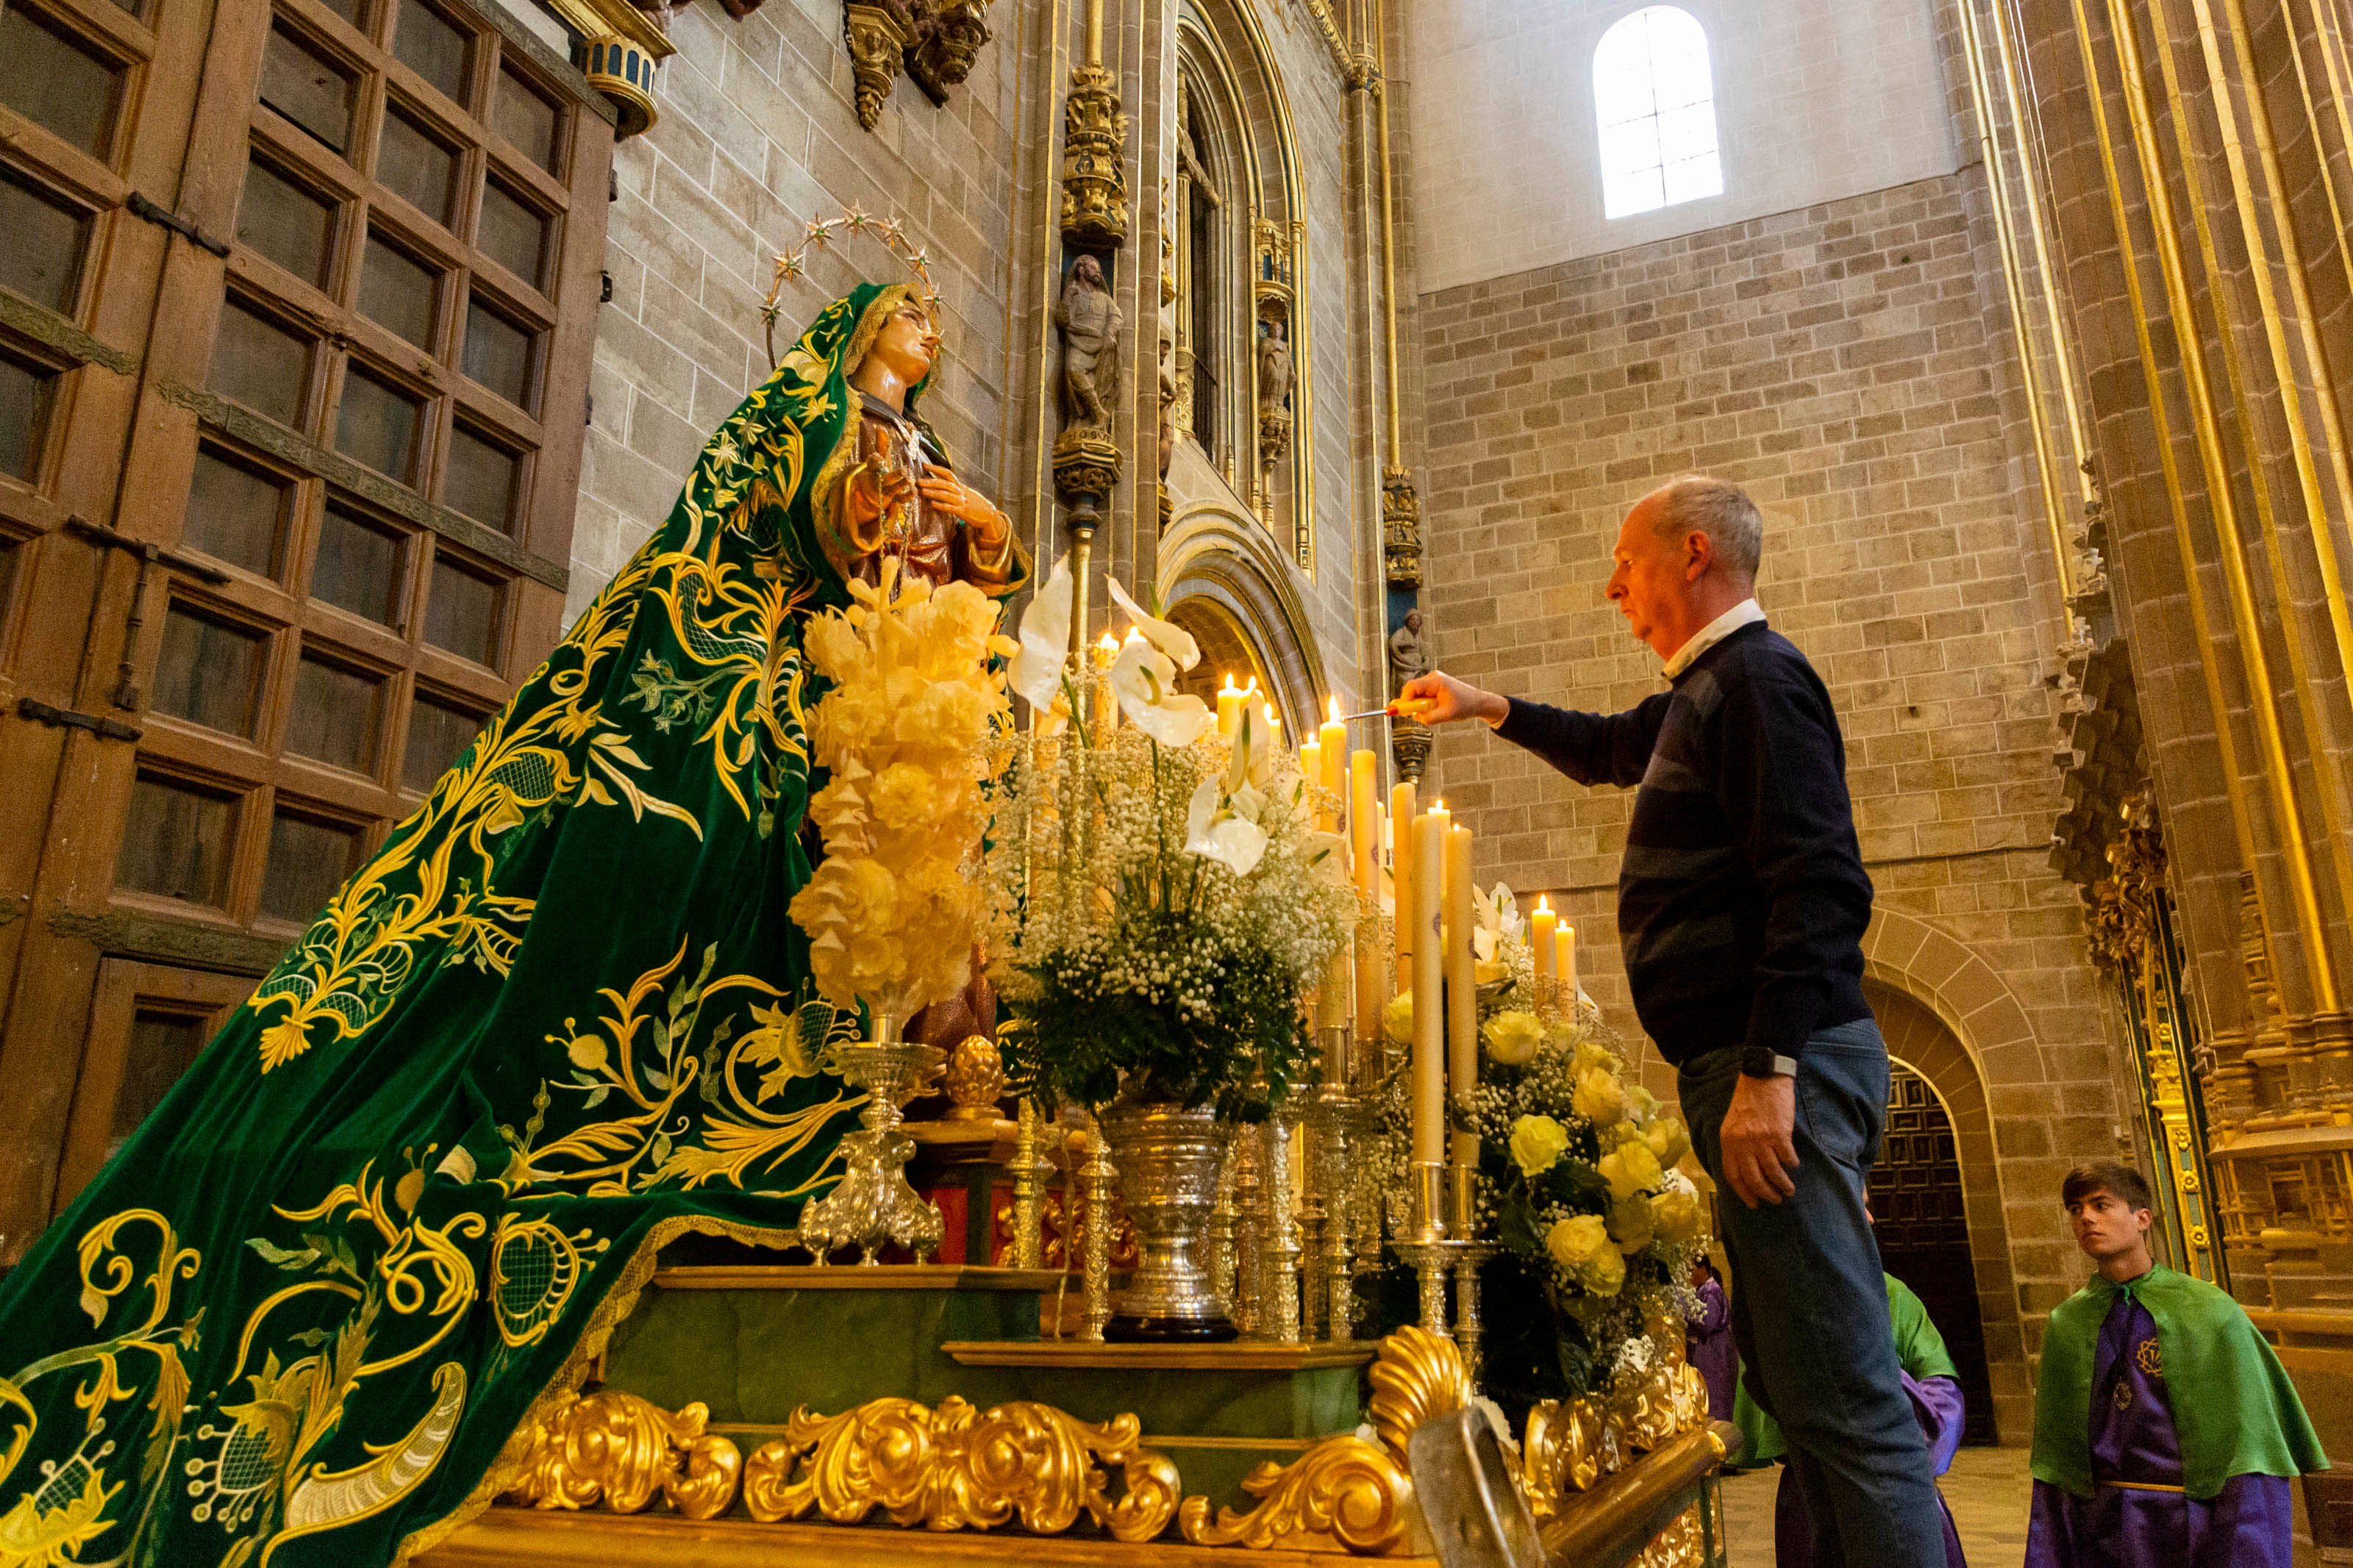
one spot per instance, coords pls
(1924, 1233)
(348, 475)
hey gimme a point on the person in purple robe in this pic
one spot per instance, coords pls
(2165, 1429)
(1932, 1386)
(1708, 1339)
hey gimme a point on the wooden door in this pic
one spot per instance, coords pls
(348, 441)
(1924, 1233)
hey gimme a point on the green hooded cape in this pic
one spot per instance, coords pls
(2234, 1411)
(560, 1017)
(1918, 1346)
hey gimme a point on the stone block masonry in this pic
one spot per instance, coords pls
(1841, 362)
(757, 136)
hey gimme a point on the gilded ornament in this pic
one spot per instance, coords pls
(958, 1467)
(1417, 1377)
(1094, 175)
(1400, 528)
(623, 1450)
(1344, 1494)
(1568, 1445)
(946, 41)
(975, 1080)
(878, 40)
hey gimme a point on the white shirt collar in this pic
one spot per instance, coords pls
(1745, 613)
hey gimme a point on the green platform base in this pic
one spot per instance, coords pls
(757, 1344)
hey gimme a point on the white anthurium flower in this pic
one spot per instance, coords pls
(1499, 917)
(1145, 680)
(1167, 636)
(1037, 669)
(1327, 853)
(1253, 751)
(1214, 833)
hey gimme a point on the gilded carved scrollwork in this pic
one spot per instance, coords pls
(958, 1467)
(1346, 1493)
(1569, 1446)
(623, 1450)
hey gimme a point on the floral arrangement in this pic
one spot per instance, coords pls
(891, 911)
(1576, 1183)
(1160, 896)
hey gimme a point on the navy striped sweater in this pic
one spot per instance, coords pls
(1742, 900)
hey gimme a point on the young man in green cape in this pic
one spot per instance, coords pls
(2165, 1430)
(560, 1017)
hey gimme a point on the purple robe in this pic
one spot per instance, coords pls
(1708, 1346)
(1937, 1402)
(2138, 1513)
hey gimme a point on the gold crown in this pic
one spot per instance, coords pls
(855, 220)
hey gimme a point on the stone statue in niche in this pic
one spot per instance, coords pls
(1090, 321)
(1408, 657)
(1274, 377)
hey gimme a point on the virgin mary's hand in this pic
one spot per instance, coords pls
(950, 496)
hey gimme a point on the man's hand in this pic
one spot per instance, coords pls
(1759, 1129)
(1450, 700)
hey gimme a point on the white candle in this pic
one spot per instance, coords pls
(1429, 985)
(1462, 984)
(1401, 904)
(1364, 830)
(1540, 939)
(1230, 700)
(1565, 964)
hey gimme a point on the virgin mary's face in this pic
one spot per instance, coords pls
(907, 344)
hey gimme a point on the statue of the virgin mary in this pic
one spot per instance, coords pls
(559, 1018)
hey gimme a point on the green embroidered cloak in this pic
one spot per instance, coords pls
(560, 1017)
(2234, 1410)
(1918, 1346)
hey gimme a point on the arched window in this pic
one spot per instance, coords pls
(1655, 100)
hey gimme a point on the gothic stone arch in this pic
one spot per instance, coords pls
(1948, 1017)
(1219, 567)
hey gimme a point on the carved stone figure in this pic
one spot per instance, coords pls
(944, 43)
(896, 495)
(1167, 397)
(1407, 658)
(1090, 320)
(1273, 368)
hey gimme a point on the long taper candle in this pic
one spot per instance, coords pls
(1429, 985)
(1462, 984)
(1565, 966)
(1230, 698)
(1363, 838)
(1540, 942)
(1333, 737)
(1401, 906)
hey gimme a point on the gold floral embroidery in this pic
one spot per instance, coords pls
(2148, 1357)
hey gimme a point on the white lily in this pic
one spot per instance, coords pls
(1145, 681)
(1253, 751)
(1037, 671)
(1328, 854)
(1213, 831)
(1499, 917)
(1167, 636)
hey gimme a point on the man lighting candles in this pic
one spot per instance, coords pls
(1741, 902)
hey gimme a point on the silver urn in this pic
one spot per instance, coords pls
(1167, 1156)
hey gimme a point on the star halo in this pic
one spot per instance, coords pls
(820, 232)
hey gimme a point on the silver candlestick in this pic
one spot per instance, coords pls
(872, 1204)
(1468, 1329)
(1279, 1251)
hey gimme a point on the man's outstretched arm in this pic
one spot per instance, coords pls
(1592, 748)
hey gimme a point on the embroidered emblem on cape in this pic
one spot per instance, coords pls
(2148, 1357)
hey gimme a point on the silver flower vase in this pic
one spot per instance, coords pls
(872, 1204)
(1169, 1156)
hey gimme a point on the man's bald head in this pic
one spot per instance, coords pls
(1697, 504)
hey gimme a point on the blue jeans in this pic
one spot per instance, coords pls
(1810, 1305)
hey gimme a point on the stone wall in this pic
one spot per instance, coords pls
(1815, 99)
(756, 137)
(1837, 361)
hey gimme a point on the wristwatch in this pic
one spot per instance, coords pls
(1763, 1061)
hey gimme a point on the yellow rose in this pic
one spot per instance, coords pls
(1574, 1242)
(1640, 1103)
(1630, 1223)
(1600, 1097)
(1604, 1273)
(1629, 1168)
(1513, 1037)
(1669, 1139)
(1593, 1058)
(1537, 1144)
(1674, 1214)
(1561, 1034)
(1397, 1019)
(1618, 1132)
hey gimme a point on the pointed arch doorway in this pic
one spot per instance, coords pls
(1921, 1187)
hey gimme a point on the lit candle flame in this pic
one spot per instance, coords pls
(1438, 805)
(1543, 908)
(1273, 722)
(1108, 642)
(1333, 711)
(1134, 634)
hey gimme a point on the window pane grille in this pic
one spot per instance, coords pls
(512, 234)
(55, 81)
(397, 292)
(236, 513)
(176, 842)
(259, 364)
(337, 712)
(359, 567)
(379, 424)
(429, 44)
(415, 166)
(209, 671)
(286, 223)
(497, 353)
(308, 88)
(462, 613)
(41, 258)
(1654, 105)
(483, 480)
(524, 118)
(309, 860)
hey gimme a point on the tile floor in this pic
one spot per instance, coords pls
(1986, 1488)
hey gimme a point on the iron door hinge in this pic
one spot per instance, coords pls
(66, 718)
(163, 218)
